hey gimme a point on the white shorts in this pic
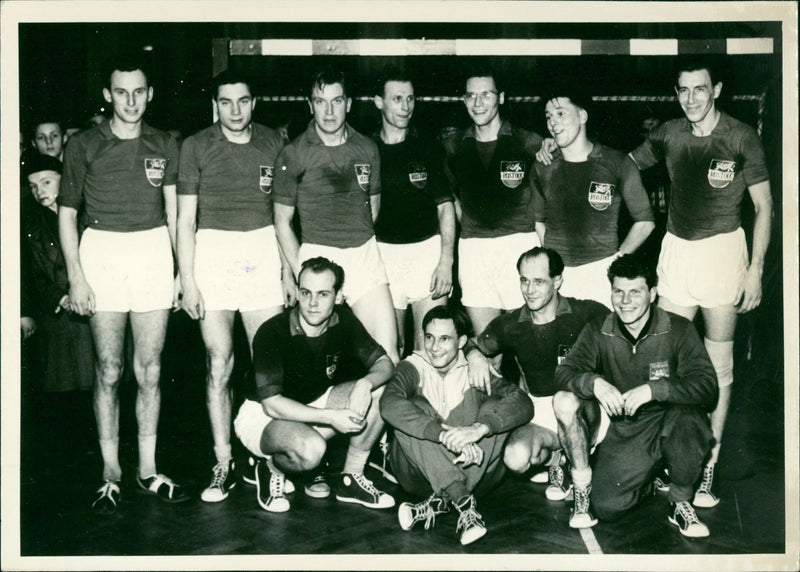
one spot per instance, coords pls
(588, 281)
(487, 270)
(363, 267)
(544, 416)
(409, 268)
(251, 421)
(238, 270)
(128, 271)
(706, 272)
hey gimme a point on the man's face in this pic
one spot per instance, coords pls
(696, 94)
(317, 296)
(565, 120)
(44, 187)
(482, 100)
(234, 105)
(442, 343)
(397, 103)
(330, 107)
(48, 139)
(631, 300)
(535, 283)
(129, 95)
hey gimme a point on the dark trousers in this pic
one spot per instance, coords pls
(632, 451)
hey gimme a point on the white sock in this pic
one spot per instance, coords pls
(356, 460)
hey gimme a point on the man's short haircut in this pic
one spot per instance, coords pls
(42, 120)
(387, 74)
(555, 264)
(481, 69)
(576, 95)
(697, 63)
(37, 162)
(230, 77)
(448, 312)
(128, 62)
(320, 264)
(327, 76)
(632, 266)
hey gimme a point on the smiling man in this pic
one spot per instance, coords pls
(647, 369)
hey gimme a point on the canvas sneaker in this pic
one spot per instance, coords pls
(106, 498)
(703, 497)
(470, 526)
(223, 479)
(318, 487)
(560, 486)
(409, 514)
(685, 518)
(249, 476)
(270, 487)
(356, 488)
(581, 516)
(662, 482)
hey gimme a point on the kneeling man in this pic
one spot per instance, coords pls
(441, 422)
(317, 372)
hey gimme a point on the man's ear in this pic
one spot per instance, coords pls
(462, 341)
(106, 94)
(339, 297)
(378, 100)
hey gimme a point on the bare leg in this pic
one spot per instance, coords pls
(480, 317)
(217, 331)
(252, 320)
(578, 421)
(294, 446)
(374, 309)
(529, 445)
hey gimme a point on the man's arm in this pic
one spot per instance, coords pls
(399, 409)
(636, 236)
(342, 420)
(171, 210)
(80, 293)
(287, 280)
(442, 279)
(287, 240)
(638, 204)
(750, 295)
(375, 206)
(193, 302)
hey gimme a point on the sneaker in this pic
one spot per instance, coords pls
(249, 476)
(581, 516)
(356, 488)
(163, 487)
(560, 486)
(318, 488)
(106, 500)
(409, 514)
(470, 526)
(685, 518)
(540, 478)
(270, 487)
(223, 479)
(703, 497)
(662, 482)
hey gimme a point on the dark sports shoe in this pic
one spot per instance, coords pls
(470, 526)
(560, 486)
(409, 514)
(249, 476)
(703, 497)
(662, 482)
(163, 487)
(318, 488)
(685, 518)
(270, 487)
(223, 479)
(581, 516)
(106, 499)
(356, 488)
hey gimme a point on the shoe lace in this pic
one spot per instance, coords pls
(708, 478)
(366, 484)
(468, 518)
(581, 499)
(556, 475)
(319, 479)
(277, 482)
(428, 510)
(220, 475)
(687, 512)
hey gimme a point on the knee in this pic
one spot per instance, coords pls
(566, 406)
(309, 452)
(219, 365)
(517, 456)
(109, 371)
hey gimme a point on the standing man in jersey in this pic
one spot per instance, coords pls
(124, 173)
(489, 166)
(331, 176)
(538, 335)
(232, 262)
(712, 159)
(578, 199)
(416, 225)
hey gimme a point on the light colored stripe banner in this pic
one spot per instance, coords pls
(519, 98)
(506, 47)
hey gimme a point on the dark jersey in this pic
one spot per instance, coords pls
(412, 186)
(120, 180)
(709, 174)
(287, 362)
(233, 181)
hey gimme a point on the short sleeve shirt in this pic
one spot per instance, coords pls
(539, 348)
(496, 200)
(708, 174)
(412, 185)
(580, 203)
(120, 181)
(287, 362)
(233, 181)
(330, 187)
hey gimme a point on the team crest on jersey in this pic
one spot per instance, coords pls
(658, 370)
(363, 171)
(720, 173)
(562, 352)
(601, 195)
(265, 178)
(331, 363)
(418, 175)
(154, 170)
(512, 173)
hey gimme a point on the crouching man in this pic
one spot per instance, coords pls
(449, 436)
(317, 373)
(649, 371)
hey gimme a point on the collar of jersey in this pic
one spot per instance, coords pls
(563, 307)
(105, 130)
(505, 129)
(313, 138)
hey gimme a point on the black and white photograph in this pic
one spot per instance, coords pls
(425, 284)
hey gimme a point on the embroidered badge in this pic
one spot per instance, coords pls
(512, 173)
(331, 363)
(265, 178)
(658, 370)
(154, 170)
(363, 171)
(601, 195)
(562, 352)
(720, 173)
(418, 175)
